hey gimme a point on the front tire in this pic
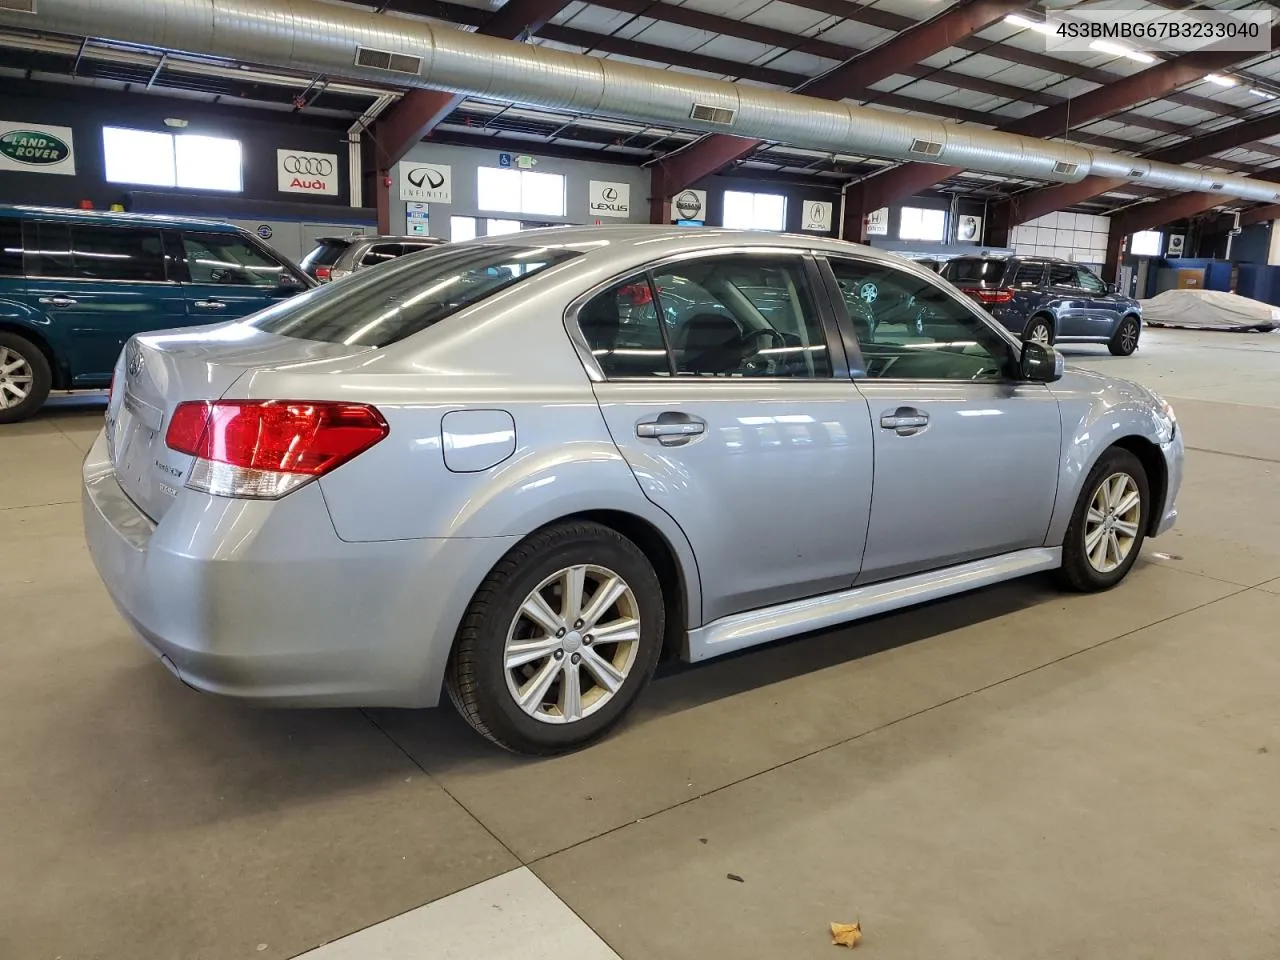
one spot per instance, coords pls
(1125, 340)
(1039, 330)
(559, 640)
(25, 378)
(1108, 525)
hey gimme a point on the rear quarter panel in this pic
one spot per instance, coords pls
(19, 315)
(1097, 412)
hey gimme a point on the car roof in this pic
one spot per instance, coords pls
(1010, 256)
(378, 238)
(114, 218)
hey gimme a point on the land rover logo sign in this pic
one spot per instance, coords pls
(426, 182)
(36, 148)
(298, 171)
(605, 199)
(690, 205)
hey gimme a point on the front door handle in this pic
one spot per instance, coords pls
(58, 301)
(904, 420)
(209, 305)
(671, 429)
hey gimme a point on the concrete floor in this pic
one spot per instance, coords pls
(1013, 773)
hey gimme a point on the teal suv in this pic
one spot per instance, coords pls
(76, 285)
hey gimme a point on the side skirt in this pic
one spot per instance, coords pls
(742, 630)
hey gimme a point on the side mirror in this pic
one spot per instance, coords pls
(1041, 364)
(290, 284)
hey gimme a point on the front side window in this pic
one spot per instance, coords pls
(117, 253)
(378, 307)
(728, 316)
(10, 247)
(229, 259)
(911, 329)
(1089, 282)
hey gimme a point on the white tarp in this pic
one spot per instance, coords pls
(1210, 310)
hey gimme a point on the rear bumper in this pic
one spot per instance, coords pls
(261, 600)
(1173, 453)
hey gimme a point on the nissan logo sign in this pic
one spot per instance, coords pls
(432, 177)
(688, 205)
(311, 166)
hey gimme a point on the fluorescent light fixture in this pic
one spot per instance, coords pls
(1220, 80)
(1262, 93)
(1106, 46)
(1025, 23)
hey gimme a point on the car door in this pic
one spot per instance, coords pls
(726, 389)
(99, 284)
(1068, 302)
(228, 276)
(1104, 306)
(966, 455)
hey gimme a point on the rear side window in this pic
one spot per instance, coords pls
(10, 247)
(117, 253)
(1062, 275)
(51, 256)
(974, 270)
(381, 253)
(378, 307)
(1029, 275)
(229, 259)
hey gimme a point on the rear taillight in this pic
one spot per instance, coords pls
(263, 449)
(111, 390)
(992, 296)
(322, 274)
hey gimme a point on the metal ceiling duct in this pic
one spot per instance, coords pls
(357, 43)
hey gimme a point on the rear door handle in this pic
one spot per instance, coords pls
(209, 305)
(58, 301)
(905, 420)
(671, 429)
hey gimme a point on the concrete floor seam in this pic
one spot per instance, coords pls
(892, 723)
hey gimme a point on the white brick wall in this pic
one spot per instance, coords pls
(1079, 237)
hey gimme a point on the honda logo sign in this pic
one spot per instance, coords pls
(298, 171)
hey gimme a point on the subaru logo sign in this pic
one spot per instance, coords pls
(264, 231)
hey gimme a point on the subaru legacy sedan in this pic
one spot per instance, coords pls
(522, 469)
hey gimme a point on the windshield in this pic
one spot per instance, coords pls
(973, 270)
(377, 307)
(325, 255)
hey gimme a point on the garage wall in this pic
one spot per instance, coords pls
(465, 161)
(1079, 237)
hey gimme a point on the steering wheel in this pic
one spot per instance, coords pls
(757, 362)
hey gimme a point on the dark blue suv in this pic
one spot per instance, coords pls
(1049, 301)
(75, 285)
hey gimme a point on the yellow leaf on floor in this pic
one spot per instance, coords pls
(846, 934)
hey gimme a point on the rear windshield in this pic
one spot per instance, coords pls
(377, 307)
(325, 255)
(974, 270)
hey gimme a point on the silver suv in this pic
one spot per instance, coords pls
(336, 257)
(521, 469)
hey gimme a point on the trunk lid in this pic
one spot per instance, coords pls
(158, 371)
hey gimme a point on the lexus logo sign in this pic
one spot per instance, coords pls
(605, 199)
(426, 182)
(298, 171)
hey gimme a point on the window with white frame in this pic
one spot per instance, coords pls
(462, 228)
(520, 191)
(754, 211)
(920, 224)
(185, 160)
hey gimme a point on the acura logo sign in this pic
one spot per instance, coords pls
(310, 165)
(430, 176)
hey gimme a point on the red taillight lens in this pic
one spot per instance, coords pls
(261, 439)
(993, 296)
(637, 294)
(323, 274)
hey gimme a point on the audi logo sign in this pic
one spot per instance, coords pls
(298, 171)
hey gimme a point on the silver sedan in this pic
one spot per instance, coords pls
(523, 469)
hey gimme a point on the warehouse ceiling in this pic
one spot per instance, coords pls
(971, 61)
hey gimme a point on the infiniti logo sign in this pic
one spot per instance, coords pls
(432, 177)
(425, 182)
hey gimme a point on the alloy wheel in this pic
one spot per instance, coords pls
(1040, 334)
(572, 644)
(1111, 525)
(16, 378)
(1129, 337)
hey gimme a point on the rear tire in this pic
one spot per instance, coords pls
(532, 675)
(1107, 529)
(25, 378)
(1125, 340)
(1039, 330)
